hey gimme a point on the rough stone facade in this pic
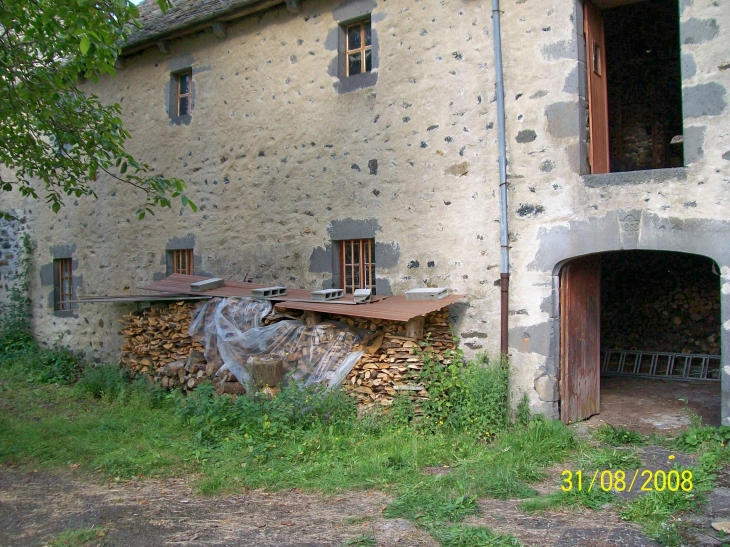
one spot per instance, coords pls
(283, 159)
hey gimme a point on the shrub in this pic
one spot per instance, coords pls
(102, 381)
(470, 396)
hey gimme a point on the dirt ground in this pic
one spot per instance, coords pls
(656, 406)
(36, 506)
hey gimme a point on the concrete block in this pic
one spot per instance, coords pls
(362, 296)
(268, 292)
(426, 294)
(328, 294)
(207, 284)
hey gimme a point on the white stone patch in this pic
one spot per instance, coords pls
(726, 288)
(726, 325)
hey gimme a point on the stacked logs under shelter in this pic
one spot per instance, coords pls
(392, 360)
(157, 345)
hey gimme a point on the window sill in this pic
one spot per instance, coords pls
(629, 178)
(65, 313)
(358, 81)
(181, 120)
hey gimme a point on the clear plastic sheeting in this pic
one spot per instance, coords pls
(231, 331)
(223, 318)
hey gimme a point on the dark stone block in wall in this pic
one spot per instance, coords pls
(526, 135)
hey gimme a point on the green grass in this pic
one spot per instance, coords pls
(76, 538)
(312, 440)
(361, 540)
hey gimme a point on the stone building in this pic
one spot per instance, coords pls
(320, 136)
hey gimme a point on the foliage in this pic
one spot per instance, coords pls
(362, 540)
(522, 413)
(469, 396)
(707, 437)
(618, 436)
(76, 538)
(50, 130)
(15, 330)
(593, 499)
(610, 459)
(295, 409)
(422, 505)
(474, 536)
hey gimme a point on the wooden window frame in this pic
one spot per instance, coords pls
(188, 95)
(363, 258)
(63, 293)
(183, 261)
(362, 49)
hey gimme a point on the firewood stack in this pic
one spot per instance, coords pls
(391, 362)
(157, 344)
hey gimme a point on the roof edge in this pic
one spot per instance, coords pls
(146, 38)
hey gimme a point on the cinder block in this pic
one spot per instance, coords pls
(328, 294)
(426, 294)
(208, 284)
(268, 292)
(362, 296)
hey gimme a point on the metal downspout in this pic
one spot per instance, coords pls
(504, 236)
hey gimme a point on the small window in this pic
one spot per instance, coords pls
(359, 48)
(357, 257)
(184, 92)
(62, 284)
(182, 261)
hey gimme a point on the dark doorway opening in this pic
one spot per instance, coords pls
(658, 323)
(642, 82)
(660, 312)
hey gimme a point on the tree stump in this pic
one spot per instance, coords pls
(266, 370)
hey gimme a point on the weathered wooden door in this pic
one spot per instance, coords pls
(580, 339)
(597, 89)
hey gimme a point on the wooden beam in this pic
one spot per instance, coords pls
(294, 6)
(414, 327)
(220, 29)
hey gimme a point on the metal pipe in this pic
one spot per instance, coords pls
(504, 236)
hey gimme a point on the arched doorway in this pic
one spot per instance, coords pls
(636, 324)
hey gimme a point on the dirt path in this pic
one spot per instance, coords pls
(36, 506)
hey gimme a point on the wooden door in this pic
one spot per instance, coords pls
(580, 339)
(598, 154)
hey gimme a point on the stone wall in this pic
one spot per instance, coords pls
(282, 161)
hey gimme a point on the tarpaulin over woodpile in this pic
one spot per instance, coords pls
(231, 331)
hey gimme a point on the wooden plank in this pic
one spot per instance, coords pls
(580, 333)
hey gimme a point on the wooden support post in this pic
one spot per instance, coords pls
(312, 318)
(414, 327)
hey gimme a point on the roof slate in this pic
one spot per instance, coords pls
(184, 14)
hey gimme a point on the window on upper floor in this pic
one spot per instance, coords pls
(184, 92)
(357, 264)
(357, 54)
(62, 284)
(182, 261)
(181, 96)
(359, 48)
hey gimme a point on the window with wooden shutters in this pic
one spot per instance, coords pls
(357, 257)
(62, 284)
(182, 260)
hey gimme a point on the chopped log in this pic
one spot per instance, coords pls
(266, 370)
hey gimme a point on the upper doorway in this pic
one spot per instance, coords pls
(634, 85)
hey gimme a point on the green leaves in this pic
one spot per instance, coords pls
(85, 45)
(55, 134)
